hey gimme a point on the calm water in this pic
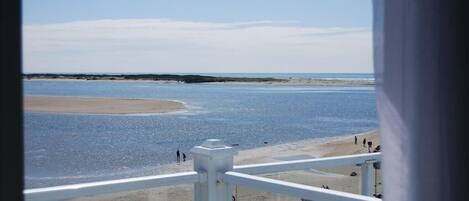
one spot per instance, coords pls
(70, 148)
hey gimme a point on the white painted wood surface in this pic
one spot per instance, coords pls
(292, 189)
(328, 162)
(103, 187)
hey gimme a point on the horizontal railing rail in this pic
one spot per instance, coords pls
(103, 187)
(305, 164)
(291, 189)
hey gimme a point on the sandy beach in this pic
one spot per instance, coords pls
(336, 178)
(86, 105)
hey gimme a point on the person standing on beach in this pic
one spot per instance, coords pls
(356, 139)
(178, 156)
(183, 157)
(364, 142)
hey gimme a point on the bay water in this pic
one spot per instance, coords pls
(70, 148)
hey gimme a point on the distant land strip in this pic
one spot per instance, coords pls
(150, 77)
(200, 79)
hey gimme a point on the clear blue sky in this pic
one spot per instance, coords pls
(329, 17)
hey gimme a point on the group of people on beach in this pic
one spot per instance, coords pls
(178, 156)
(369, 143)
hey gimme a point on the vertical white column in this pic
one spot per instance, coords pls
(212, 158)
(367, 178)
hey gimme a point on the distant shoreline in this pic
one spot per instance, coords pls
(150, 77)
(190, 79)
(88, 105)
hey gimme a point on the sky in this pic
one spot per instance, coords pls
(152, 36)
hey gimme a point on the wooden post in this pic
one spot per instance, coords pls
(214, 158)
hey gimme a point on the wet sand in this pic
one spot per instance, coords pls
(336, 178)
(87, 105)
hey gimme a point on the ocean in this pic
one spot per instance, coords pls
(71, 148)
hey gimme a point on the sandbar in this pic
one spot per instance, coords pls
(89, 105)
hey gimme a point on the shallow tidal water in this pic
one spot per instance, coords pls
(71, 148)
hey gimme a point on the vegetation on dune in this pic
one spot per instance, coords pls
(155, 77)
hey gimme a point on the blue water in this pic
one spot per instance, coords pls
(71, 148)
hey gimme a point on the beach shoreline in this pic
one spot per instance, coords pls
(337, 178)
(93, 105)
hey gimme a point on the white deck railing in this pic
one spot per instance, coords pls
(103, 187)
(215, 176)
(305, 164)
(291, 189)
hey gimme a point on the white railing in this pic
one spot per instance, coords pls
(215, 176)
(120, 185)
(307, 164)
(289, 188)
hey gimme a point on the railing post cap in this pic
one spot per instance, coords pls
(214, 148)
(213, 143)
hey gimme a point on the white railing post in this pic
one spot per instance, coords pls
(213, 158)
(367, 177)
